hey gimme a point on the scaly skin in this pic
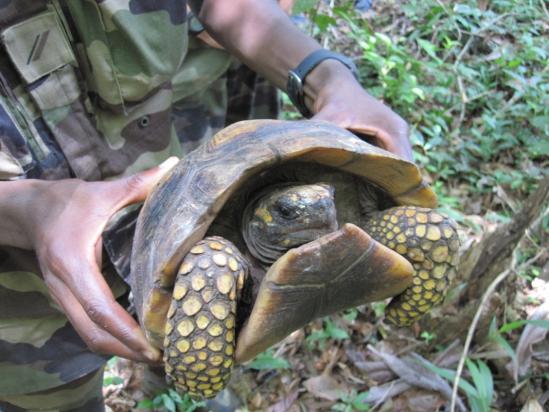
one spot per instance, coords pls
(200, 330)
(429, 240)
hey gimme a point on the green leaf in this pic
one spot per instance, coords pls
(359, 404)
(112, 361)
(175, 396)
(168, 403)
(495, 336)
(429, 48)
(323, 21)
(540, 122)
(539, 148)
(266, 360)
(488, 382)
(520, 323)
(304, 6)
(482, 379)
(334, 332)
(350, 315)
(450, 376)
(145, 404)
(112, 380)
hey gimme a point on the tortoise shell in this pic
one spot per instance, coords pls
(169, 225)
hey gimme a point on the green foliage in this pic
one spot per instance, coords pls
(352, 402)
(470, 79)
(267, 360)
(171, 401)
(495, 336)
(427, 336)
(329, 331)
(481, 392)
(481, 399)
(112, 380)
(520, 323)
(350, 315)
(304, 6)
(109, 378)
(379, 308)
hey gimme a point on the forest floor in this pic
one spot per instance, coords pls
(471, 79)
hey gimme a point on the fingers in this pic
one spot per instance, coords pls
(82, 292)
(399, 146)
(135, 188)
(97, 339)
(96, 300)
(68, 246)
(381, 126)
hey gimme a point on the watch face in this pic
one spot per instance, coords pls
(294, 81)
(294, 88)
(195, 26)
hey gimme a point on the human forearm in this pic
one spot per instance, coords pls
(259, 33)
(264, 38)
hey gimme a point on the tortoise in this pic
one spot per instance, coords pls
(270, 225)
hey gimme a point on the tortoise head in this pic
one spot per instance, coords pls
(282, 218)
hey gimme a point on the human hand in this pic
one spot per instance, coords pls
(65, 221)
(341, 100)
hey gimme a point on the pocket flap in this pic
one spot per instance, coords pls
(37, 46)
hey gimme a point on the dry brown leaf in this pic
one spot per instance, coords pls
(418, 400)
(530, 336)
(380, 394)
(285, 403)
(415, 374)
(325, 387)
(532, 405)
(359, 361)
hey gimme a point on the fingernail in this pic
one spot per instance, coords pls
(153, 355)
(168, 163)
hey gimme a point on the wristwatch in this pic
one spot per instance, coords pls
(297, 76)
(195, 27)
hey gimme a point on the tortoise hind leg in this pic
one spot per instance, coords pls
(200, 329)
(430, 242)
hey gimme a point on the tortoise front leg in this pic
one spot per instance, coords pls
(199, 338)
(430, 242)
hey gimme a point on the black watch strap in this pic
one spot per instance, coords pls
(296, 77)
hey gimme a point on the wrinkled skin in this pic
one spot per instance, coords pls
(287, 217)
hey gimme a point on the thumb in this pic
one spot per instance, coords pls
(135, 188)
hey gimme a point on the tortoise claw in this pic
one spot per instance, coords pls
(343, 269)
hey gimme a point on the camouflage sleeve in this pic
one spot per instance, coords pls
(50, 129)
(125, 46)
(39, 349)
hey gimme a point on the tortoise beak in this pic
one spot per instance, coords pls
(343, 269)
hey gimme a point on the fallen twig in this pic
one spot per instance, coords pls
(476, 318)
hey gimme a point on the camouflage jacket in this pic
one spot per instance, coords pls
(88, 86)
(94, 90)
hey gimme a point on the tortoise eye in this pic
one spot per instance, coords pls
(287, 211)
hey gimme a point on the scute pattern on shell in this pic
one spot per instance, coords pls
(429, 240)
(199, 341)
(203, 181)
